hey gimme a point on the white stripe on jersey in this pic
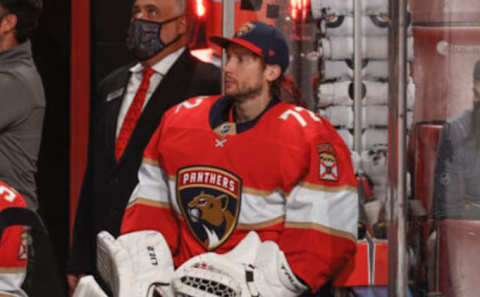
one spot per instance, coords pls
(151, 184)
(333, 210)
(254, 209)
(330, 208)
(258, 209)
(10, 283)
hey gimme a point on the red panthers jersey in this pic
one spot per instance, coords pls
(13, 247)
(205, 182)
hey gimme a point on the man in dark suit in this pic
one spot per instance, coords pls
(126, 111)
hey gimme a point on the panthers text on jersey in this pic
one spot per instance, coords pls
(13, 246)
(205, 182)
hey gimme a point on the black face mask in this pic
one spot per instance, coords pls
(143, 38)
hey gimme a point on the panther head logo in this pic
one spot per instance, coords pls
(209, 199)
(211, 209)
(212, 213)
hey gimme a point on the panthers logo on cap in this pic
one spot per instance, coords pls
(244, 29)
(209, 199)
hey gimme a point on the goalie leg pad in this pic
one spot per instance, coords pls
(136, 264)
(279, 279)
(114, 264)
(88, 287)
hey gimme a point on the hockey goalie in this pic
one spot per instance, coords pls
(238, 195)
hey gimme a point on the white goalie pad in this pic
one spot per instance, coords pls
(345, 7)
(373, 210)
(375, 116)
(377, 93)
(372, 70)
(339, 7)
(339, 116)
(374, 47)
(371, 7)
(336, 48)
(342, 25)
(336, 93)
(372, 137)
(339, 70)
(372, 25)
(376, 69)
(88, 287)
(356, 160)
(347, 137)
(410, 119)
(411, 93)
(252, 268)
(135, 264)
(374, 163)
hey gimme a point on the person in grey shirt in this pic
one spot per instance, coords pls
(457, 188)
(22, 98)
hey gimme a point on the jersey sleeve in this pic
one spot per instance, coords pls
(322, 208)
(13, 247)
(149, 206)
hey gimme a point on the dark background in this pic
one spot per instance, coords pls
(110, 19)
(52, 54)
(51, 48)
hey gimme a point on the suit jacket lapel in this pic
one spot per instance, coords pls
(112, 109)
(169, 92)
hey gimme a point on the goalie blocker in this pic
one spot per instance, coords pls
(133, 265)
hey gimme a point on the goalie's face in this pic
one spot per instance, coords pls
(244, 74)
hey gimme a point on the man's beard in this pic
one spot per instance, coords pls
(244, 93)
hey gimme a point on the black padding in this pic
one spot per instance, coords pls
(254, 5)
(20, 216)
(43, 275)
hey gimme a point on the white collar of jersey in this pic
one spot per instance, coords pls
(162, 66)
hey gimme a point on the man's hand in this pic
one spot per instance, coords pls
(72, 280)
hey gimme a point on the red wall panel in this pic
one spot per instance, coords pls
(79, 98)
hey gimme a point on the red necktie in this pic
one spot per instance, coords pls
(133, 114)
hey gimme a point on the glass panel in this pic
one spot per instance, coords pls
(442, 125)
(322, 77)
(444, 220)
(293, 17)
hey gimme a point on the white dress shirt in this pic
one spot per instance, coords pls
(161, 68)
